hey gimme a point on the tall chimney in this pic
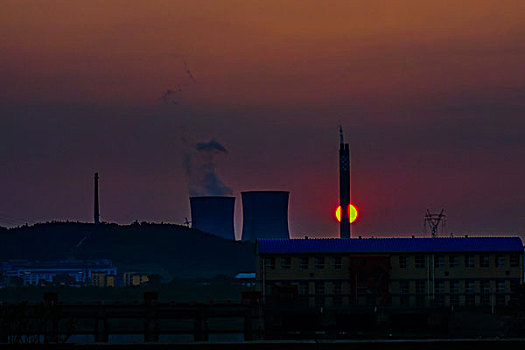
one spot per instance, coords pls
(344, 186)
(96, 212)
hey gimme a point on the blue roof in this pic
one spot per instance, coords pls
(390, 245)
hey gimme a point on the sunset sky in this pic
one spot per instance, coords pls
(431, 96)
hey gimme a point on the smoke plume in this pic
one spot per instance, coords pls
(200, 165)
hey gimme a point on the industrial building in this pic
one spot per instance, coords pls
(133, 279)
(399, 272)
(213, 214)
(265, 215)
(63, 272)
(102, 280)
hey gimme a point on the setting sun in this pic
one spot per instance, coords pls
(352, 213)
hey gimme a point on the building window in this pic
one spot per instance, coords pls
(420, 261)
(470, 300)
(439, 261)
(500, 287)
(319, 262)
(500, 299)
(484, 261)
(319, 288)
(485, 287)
(469, 261)
(500, 261)
(514, 260)
(371, 300)
(303, 263)
(420, 287)
(404, 300)
(440, 287)
(269, 289)
(338, 263)
(454, 299)
(404, 287)
(403, 261)
(303, 288)
(440, 299)
(454, 287)
(286, 263)
(471, 287)
(485, 299)
(420, 300)
(269, 263)
(453, 261)
(338, 287)
(338, 300)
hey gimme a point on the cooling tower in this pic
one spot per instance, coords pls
(265, 215)
(213, 215)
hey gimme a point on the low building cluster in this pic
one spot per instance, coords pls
(72, 273)
(60, 273)
(398, 272)
(133, 279)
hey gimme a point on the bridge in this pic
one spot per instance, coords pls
(53, 322)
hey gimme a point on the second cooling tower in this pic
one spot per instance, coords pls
(214, 215)
(265, 215)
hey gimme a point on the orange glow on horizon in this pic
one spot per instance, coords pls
(352, 213)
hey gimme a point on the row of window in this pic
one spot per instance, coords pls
(483, 299)
(304, 262)
(420, 261)
(420, 287)
(334, 290)
(320, 288)
(454, 287)
(438, 261)
(419, 300)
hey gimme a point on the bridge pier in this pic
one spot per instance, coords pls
(51, 318)
(55, 321)
(248, 327)
(254, 324)
(51, 330)
(101, 329)
(200, 327)
(151, 323)
(151, 329)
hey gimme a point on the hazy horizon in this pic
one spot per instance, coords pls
(431, 97)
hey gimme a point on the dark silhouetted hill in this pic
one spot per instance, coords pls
(174, 251)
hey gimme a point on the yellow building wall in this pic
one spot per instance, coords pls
(287, 270)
